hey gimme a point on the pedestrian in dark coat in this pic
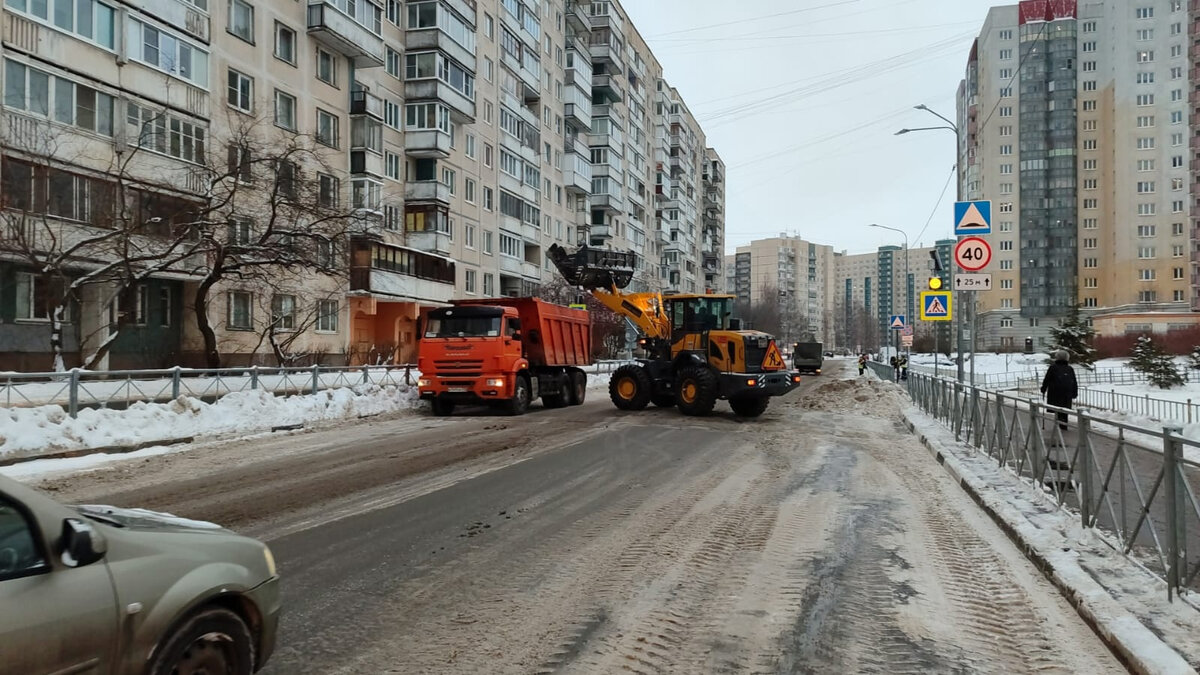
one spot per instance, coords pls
(1060, 386)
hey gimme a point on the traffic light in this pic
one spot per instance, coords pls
(935, 283)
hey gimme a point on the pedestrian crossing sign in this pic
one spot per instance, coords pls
(936, 306)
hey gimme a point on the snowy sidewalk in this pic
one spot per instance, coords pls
(1123, 602)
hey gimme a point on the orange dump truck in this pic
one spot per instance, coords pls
(504, 352)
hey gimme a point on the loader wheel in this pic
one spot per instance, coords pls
(749, 406)
(696, 391)
(520, 400)
(663, 400)
(630, 388)
(577, 383)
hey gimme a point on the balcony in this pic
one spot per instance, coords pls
(578, 108)
(427, 143)
(429, 90)
(365, 103)
(430, 241)
(577, 16)
(579, 64)
(609, 202)
(531, 271)
(602, 51)
(365, 161)
(432, 38)
(577, 172)
(334, 29)
(608, 87)
(427, 191)
(399, 285)
(511, 265)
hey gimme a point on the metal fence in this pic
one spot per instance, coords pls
(1184, 412)
(1134, 483)
(1030, 378)
(77, 389)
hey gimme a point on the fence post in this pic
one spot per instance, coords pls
(316, 384)
(366, 374)
(1085, 470)
(254, 377)
(408, 375)
(73, 393)
(1189, 410)
(1172, 454)
(175, 382)
(1001, 437)
(1035, 414)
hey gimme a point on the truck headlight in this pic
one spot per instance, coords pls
(270, 559)
(495, 382)
(424, 382)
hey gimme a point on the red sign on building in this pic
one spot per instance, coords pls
(1046, 10)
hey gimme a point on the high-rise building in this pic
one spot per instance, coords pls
(443, 145)
(1074, 124)
(796, 274)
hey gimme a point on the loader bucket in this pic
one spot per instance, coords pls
(592, 268)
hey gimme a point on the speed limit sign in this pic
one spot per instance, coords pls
(972, 254)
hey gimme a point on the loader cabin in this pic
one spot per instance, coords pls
(692, 314)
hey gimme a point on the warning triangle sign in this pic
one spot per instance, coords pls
(973, 221)
(935, 306)
(773, 359)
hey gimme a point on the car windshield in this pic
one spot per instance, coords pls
(463, 326)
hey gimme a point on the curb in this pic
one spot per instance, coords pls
(106, 450)
(1143, 653)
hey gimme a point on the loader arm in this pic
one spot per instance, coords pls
(643, 309)
(604, 273)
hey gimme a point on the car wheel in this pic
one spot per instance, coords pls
(213, 640)
(749, 406)
(630, 387)
(696, 391)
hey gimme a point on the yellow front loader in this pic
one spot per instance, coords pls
(696, 352)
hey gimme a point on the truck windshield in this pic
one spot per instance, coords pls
(463, 326)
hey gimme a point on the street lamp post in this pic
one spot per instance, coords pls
(958, 319)
(907, 288)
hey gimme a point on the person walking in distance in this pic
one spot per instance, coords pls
(1060, 386)
(862, 364)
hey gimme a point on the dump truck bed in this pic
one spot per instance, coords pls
(552, 335)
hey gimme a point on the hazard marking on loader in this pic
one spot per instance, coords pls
(773, 360)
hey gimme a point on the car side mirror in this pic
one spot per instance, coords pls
(82, 543)
(735, 324)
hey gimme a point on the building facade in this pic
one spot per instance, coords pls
(424, 150)
(796, 274)
(1073, 119)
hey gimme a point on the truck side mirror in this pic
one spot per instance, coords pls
(735, 324)
(82, 544)
(517, 336)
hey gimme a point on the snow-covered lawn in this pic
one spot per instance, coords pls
(47, 429)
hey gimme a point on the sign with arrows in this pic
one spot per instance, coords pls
(972, 282)
(972, 218)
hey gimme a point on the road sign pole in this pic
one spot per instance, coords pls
(974, 333)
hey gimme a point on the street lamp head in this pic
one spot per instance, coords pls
(920, 107)
(903, 131)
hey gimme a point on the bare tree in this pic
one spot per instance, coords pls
(287, 321)
(608, 329)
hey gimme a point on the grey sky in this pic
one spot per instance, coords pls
(821, 159)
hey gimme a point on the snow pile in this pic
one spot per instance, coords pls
(46, 429)
(599, 381)
(849, 395)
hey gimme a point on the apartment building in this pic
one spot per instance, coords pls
(445, 144)
(1073, 122)
(797, 274)
(713, 245)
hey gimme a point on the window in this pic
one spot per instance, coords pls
(1177, 273)
(1006, 303)
(1147, 296)
(1089, 242)
(23, 556)
(1091, 203)
(1177, 161)
(393, 63)
(1006, 149)
(470, 149)
(1177, 229)
(1091, 282)
(1089, 106)
(241, 20)
(1146, 230)
(1089, 85)
(427, 116)
(1006, 73)
(1146, 209)
(1006, 226)
(1146, 253)
(511, 246)
(241, 311)
(1145, 99)
(1176, 51)
(1177, 296)
(1090, 302)
(488, 69)
(327, 190)
(1177, 206)
(1145, 165)
(435, 65)
(1177, 251)
(487, 198)
(164, 133)
(285, 178)
(241, 163)
(1088, 66)
(327, 128)
(90, 20)
(1006, 207)
(394, 11)
(469, 284)
(489, 285)
(487, 155)
(241, 231)
(489, 26)
(1089, 165)
(1006, 188)
(487, 112)
(448, 179)
(283, 312)
(1005, 92)
(1091, 223)
(487, 242)
(1176, 184)
(327, 316)
(1090, 183)
(1006, 34)
(285, 110)
(1143, 13)
(1006, 130)
(285, 43)
(1091, 263)
(326, 67)
(1144, 121)
(1145, 34)
(1145, 187)
(1145, 56)
(1177, 117)
(1006, 111)
(1006, 54)
(1006, 264)
(1089, 26)
(1006, 322)
(1145, 143)
(1006, 285)
(166, 52)
(391, 114)
(1089, 144)
(468, 235)
(1006, 246)
(57, 99)
(391, 163)
(469, 190)
(1089, 46)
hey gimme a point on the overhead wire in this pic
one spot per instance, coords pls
(774, 15)
(953, 172)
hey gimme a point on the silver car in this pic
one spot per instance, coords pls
(96, 589)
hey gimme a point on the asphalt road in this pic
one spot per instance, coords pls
(819, 538)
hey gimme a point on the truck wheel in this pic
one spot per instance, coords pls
(630, 388)
(578, 388)
(749, 406)
(554, 400)
(663, 400)
(519, 403)
(214, 640)
(696, 391)
(442, 407)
